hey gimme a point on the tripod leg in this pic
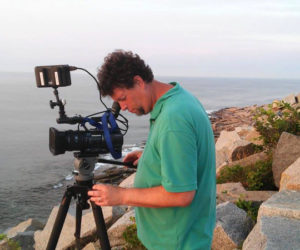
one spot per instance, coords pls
(101, 228)
(78, 225)
(59, 221)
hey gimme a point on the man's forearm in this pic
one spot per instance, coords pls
(108, 195)
(155, 197)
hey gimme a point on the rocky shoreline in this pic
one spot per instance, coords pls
(229, 118)
(278, 221)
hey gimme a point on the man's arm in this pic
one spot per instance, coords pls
(108, 195)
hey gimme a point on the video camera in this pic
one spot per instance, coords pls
(104, 137)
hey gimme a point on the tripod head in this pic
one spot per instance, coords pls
(84, 165)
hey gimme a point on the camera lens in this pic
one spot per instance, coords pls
(91, 142)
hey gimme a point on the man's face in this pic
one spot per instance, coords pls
(135, 100)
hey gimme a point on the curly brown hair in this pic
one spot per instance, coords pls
(119, 69)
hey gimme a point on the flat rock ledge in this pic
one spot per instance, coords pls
(234, 191)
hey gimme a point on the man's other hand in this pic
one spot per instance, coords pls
(133, 157)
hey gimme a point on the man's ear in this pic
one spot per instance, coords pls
(138, 80)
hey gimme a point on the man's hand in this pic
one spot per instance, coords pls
(106, 195)
(133, 157)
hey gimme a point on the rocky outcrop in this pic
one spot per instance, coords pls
(290, 178)
(230, 118)
(287, 151)
(278, 223)
(232, 227)
(231, 147)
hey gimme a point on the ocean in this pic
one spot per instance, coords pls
(32, 181)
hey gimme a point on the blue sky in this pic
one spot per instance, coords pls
(231, 38)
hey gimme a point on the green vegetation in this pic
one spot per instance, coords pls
(130, 236)
(12, 245)
(250, 207)
(270, 124)
(253, 177)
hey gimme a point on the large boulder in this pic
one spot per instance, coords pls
(290, 178)
(287, 151)
(274, 233)
(232, 227)
(88, 227)
(278, 223)
(230, 147)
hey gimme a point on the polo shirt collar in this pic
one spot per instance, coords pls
(160, 102)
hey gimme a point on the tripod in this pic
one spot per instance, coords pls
(84, 166)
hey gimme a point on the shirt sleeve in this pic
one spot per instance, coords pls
(178, 153)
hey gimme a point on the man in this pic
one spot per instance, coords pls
(174, 190)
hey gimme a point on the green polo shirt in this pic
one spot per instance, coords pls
(180, 156)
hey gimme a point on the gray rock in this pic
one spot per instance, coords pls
(232, 227)
(285, 203)
(287, 151)
(274, 233)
